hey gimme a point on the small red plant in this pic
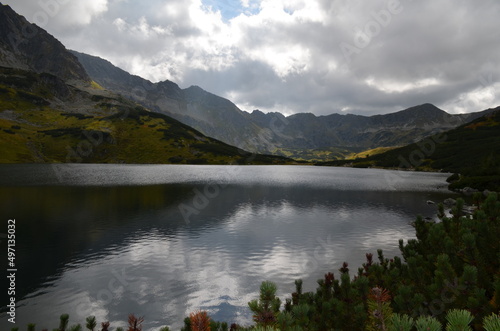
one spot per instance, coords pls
(329, 277)
(379, 294)
(369, 259)
(345, 268)
(135, 323)
(200, 321)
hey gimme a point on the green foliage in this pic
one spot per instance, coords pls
(315, 155)
(379, 310)
(266, 309)
(458, 320)
(427, 323)
(453, 178)
(401, 323)
(187, 324)
(176, 133)
(91, 323)
(477, 182)
(491, 322)
(218, 326)
(63, 324)
(285, 320)
(218, 148)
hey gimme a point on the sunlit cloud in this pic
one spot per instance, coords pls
(398, 87)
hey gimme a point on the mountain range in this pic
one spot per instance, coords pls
(52, 100)
(273, 132)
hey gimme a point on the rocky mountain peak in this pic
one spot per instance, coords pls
(26, 46)
(427, 109)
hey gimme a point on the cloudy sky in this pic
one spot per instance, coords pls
(319, 56)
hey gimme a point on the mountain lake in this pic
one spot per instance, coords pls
(162, 241)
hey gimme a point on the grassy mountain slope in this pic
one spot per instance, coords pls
(369, 152)
(472, 150)
(315, 155)
(43, 119)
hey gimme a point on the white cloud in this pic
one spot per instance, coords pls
(393, 86)
(285, 60)
(245, 3)
(55, 15)
(120, 24)
(141, 29)
(81, 12)
(476, 100)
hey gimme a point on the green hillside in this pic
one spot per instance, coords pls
(42, 119)
(471, 150)
(367, 153)
(315, 155)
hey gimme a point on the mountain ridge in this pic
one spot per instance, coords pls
(275, 133)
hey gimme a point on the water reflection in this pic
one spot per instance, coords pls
(112, 250)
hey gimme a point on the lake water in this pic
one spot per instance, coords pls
(161, 241)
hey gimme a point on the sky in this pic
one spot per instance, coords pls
(295, 56)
